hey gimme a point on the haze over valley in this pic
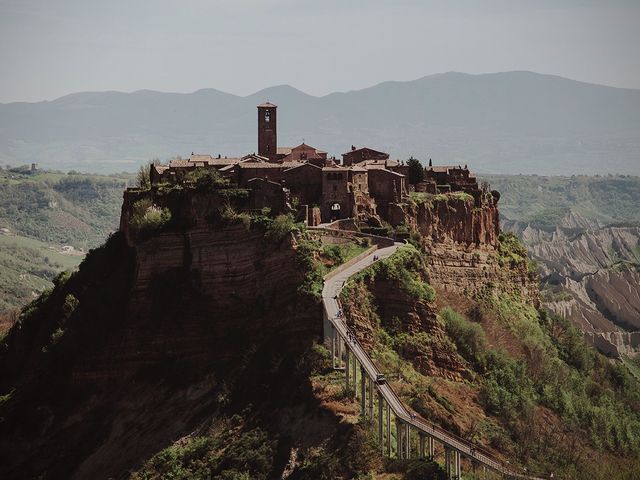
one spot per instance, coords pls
(510, 123)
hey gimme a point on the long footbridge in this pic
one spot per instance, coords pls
(349, 356)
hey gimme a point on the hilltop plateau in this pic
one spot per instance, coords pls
(190, 346)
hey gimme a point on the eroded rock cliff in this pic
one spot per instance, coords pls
(591, 277)
(151, 335)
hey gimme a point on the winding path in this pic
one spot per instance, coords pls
(344, 344)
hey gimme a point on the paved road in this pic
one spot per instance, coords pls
(330, 293)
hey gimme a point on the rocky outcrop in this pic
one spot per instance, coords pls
(473, 271)
(450, 219)
(591, 276)
(379, 302)
(460, 235)
(164, 325)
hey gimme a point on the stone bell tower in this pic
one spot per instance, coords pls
(267, 130)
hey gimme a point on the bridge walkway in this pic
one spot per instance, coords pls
(348, 353)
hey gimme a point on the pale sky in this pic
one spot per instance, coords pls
(49, 48)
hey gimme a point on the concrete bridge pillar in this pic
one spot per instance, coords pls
(363, 392)
(431, 448)
(334, 337)
(407, 437)
(381, 422)
(452, 463)
(458, 469)
(421, 445)
(399, 435)
(371, 394)
(355, 374)
(346, 368)
(388, 430)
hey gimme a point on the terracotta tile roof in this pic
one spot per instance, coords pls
(387, 172)
(252, 157)
(179, 163)
(268, 105)
(306, 164)
(365, 148)
(443, 168)
(384, 163)
(283, 150)
(304, 146)
(161, 168)
(258, 179)
(224, 161)
(260, 165)
(201, 157)
(334, 169)
(357, 169)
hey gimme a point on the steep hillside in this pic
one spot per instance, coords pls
(143, 344)
(47, 222)
(496, 371)
(186, 347)
(514, 122)
(588, 259)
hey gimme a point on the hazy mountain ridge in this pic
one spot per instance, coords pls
(515, 122)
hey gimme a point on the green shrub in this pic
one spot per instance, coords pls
(363, 452)
(469, 337)
(317, 464)
(70, 305)
(405, 267)
(317, 359)
(145, 216)
(307, 253)
(281, 226)
(464, 196)
(206, 179)
(511, 251)
(422, 468)
(224, 455)
(507, 390)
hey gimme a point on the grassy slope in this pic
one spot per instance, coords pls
(53, 207)
(530, 387)
(43, 212)
(27, 267)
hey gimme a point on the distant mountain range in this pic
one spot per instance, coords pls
(514, 122)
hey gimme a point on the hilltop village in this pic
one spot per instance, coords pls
(362, 185)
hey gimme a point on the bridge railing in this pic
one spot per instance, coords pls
(463, 446)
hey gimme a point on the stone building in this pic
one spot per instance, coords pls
(268, 131)
(304, 182)
(357, 155)
(304, 178)
(457, 178)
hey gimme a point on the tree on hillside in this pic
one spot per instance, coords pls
(143, 178)
(416, 171)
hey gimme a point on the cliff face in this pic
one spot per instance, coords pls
(451, 219)
(474, 271)
(590, 275)
(380, 302)
(462, 237)
(159, 332)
